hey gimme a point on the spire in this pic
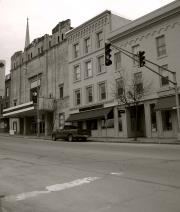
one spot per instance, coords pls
(27, 41)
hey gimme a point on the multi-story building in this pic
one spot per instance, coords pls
(156, 33)
(89, 88)
(2, 88)
(92, 85)
(39, 83)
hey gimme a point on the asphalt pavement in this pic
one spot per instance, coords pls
(44, 176)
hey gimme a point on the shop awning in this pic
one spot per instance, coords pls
(92, 114)
(166, 103)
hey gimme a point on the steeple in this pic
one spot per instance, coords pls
(27, 41)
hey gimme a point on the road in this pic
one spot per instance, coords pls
(46, 176)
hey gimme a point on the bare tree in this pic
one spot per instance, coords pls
(130, 91)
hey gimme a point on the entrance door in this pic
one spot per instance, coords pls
(141, 132)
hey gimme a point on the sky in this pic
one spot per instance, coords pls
(44, 15)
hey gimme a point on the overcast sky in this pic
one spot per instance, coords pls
(45, 14)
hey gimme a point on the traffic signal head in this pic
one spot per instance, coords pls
(34, 97)
(108, 50)
(142, 58)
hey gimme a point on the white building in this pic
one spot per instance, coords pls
(92, 103)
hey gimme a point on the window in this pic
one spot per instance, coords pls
(166, 120)
(41, 49)
(88, 69)
(49, 44)
(102, 91)
(15, 102)
(153, 118)
(62, 36)
(7, 91)
(100, 64)
(58, 39)
(138, 82)
(31, 55)
(135, 50)
(119, 87)
(99, 39)
(77, 73)
(77, 97)
(61, 120)
(120, 120)
(89, 94)
(117, 60)
(61, 92)
(76, 50)
(165, 78)
(28, 56)
(161, 46)
(87, 45)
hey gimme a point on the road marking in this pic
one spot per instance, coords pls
(117, 173)
(51, 188)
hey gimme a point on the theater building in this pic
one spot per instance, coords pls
(39, 83)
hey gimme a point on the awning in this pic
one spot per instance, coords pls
(166, 103)
(20, 110)
(92, 114)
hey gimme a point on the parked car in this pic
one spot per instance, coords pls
(70, 133)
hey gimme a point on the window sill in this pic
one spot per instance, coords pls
(75, 81)
(99, 73)
(88, 77)
(161, 57)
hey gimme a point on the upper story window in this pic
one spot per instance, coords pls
(102, 91)
(165, 78)
(100, 68)
(77, 73)
(7, 91)
(119, 87)
(76, 50)
(135, 50)
(161, 46)
(87, 45)
(61, 91)
(77, 96)
(15, 102)
(88, 69)
(28, 56)
(31, 55)
(89, 94)
(99, 39)
(58, 39)
(117, 60)
(41, 49)
(138, 82)
(49, 44)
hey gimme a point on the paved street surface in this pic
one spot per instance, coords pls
(45, 176)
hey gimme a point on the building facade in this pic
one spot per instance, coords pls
(93, 103)
(39, 83)
(89, 87)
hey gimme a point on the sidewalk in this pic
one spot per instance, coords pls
(107, 139)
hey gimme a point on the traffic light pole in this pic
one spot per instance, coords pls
(38, 115)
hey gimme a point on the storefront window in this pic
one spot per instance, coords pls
(120, 120)
(153, 118)
(166, 120)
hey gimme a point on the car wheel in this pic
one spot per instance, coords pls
(70, 138)
(53, 137)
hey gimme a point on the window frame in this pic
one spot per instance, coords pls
(99, 65)
(117, 63)
(76, 50)
(87, 48)
(75, 79)
(99, 91)
(135, 50)
(75, 97)
(163, 51)
(61, 86)
(99, 41)
(86, 74)
(87, 96)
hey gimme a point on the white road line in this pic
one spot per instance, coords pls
(52, 188)
(117, 173)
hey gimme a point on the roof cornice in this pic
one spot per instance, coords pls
(145, 21)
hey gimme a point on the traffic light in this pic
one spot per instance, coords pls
(108, 50)
(142, 58)
(1, 65)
